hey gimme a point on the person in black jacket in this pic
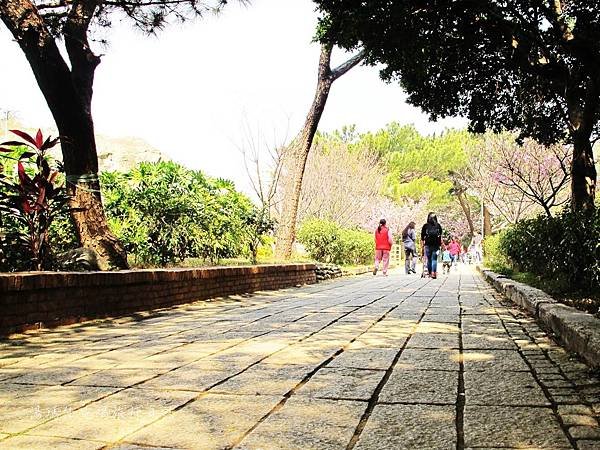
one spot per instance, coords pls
(431, 237)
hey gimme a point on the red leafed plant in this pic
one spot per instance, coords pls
(30, 200)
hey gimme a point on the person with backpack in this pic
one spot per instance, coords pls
(383, 245)
(409, 239)
(431, 236)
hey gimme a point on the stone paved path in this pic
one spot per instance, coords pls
(364, 363)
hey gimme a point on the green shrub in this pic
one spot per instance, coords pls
(320, 237)
(565, 248)
(265, 249)
(163, 213)
(327, 242)
(356, 247)
(494, 256)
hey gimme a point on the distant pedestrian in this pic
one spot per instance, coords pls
(383, 245)
(409, 239)
(464, 254)
(454, 249)
(431, 236)
(446, 261)
(476, 244)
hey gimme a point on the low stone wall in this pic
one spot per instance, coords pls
(46, 299)
(328, 272)
(578, 331)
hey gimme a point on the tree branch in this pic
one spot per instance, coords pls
(349, 64)
(83, 60)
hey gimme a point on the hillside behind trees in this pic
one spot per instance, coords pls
(121, 153)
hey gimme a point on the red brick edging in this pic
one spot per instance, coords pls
(45, 299)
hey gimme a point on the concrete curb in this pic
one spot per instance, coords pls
(578, 331)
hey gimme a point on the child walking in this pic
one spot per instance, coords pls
(446, 261)
(383, 245)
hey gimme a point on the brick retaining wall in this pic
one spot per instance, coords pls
(46, 299)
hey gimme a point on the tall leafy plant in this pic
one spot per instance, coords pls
(30, 200)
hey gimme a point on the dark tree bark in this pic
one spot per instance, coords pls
(459, 189)
(487, 221)
(68, 93)
(583, 110)
(301, 147)
(464, 204)
(583, 176)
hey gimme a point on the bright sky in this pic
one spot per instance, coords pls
(191, 90)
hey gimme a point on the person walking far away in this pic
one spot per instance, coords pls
(454, 248)
(383, 245)
(446, 261)
(409, 238)
(431, 236)
(476, 244)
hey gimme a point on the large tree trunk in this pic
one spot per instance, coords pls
(583, 100)
(83, 185)
(68, 93)
(464, 204)
(299, 156)
(487, 221)
(583, 175)
(301, 147)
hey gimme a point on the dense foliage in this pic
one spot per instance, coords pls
(495, 258)
(163, 213)
(517, 64)
(409, 174)
(328, 242)
(565, 248)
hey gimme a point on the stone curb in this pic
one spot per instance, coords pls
(578, 331)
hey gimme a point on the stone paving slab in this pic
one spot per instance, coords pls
(40, 406)
(477, 341)
(408, 427)
(495, 426)
(307, 423)
(366, 362)
(44, 442)
(116, 377)
(114, 417)
(264, 379)
(431, 340)
(187, 378)
(429, 359)
(214, 421)
(421, 386)
(342, 383)
(493, 360)
(503, 388)
(365, 358)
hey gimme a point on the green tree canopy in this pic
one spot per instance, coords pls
(531, 66)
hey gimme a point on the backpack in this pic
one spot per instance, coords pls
(432, 235)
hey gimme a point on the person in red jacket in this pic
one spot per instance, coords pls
(454, 248)
(383, 245)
